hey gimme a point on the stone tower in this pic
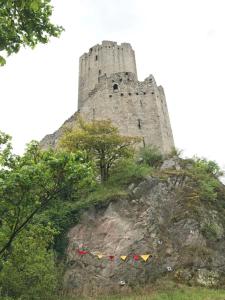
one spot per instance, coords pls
(109, 89)
(103, 60)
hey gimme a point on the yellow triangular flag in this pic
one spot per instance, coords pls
(123, 257)
(145, 257)
(100, 256)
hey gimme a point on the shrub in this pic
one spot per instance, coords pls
(205, 175)
(30, 273)
(207, 166)
(128, 171)
(175, 152)
(151, 156)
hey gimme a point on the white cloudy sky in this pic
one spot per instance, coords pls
(180, 42)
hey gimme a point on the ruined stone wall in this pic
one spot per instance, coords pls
(137, 108)
(107, 58)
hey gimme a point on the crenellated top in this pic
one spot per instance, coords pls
(104, 59)
(106, 44)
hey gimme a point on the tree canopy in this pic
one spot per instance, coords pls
(29, 183)
(25, 23)
(30, 272)
(102, 141)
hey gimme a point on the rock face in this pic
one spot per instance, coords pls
(155, 219)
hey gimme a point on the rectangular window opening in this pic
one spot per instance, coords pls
(139, 123)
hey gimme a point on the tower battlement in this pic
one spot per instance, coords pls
(104, 59)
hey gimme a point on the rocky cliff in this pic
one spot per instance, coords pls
(162, 216)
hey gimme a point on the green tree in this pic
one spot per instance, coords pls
(25, 23)
(102, 142)
(30, 272)
(29, 183)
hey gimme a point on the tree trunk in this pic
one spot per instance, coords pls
(104, 172)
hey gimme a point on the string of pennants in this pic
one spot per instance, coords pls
(124, 258)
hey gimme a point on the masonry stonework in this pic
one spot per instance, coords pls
(109, 89)
(138, 108)
(105, 59)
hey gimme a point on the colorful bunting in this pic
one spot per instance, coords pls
(136, 257)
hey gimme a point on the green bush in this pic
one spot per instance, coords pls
(30, 273)
(128, 171)
(207, 166)
(205, 174)
(151, 156)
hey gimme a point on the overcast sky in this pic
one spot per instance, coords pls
(180, 42)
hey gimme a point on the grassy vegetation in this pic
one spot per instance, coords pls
(180, 293)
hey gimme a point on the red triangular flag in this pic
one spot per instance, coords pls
(136, 257)
(111, 257)
(82, 252)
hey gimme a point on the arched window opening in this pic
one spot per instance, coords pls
(115, 87)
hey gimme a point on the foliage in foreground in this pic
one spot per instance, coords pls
(30, 271)
(32, 182)
(31, 185)
(25, 23)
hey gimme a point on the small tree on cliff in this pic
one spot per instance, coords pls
(102, 142)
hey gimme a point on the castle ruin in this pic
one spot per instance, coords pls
(109, 89)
